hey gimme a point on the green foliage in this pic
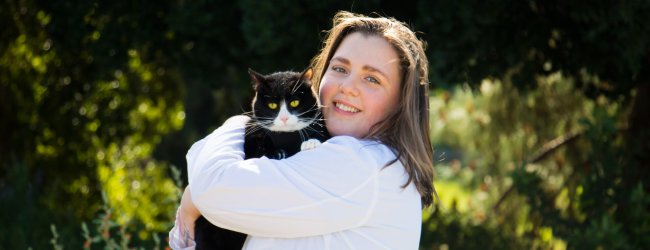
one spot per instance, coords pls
(499, 131)
(471, 40)
(73, 110)
(559, 184)
(453, 230)
(602, 233)
(55, 237)
(21, 213)
(108, 234)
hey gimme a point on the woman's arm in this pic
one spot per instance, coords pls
(324, 190)
(188, 214)
(182, 234)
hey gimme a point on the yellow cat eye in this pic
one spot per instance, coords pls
(294, 103)
(273, 105)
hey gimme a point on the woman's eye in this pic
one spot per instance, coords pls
(372, 79)
(338, 69)
(273, 105)
(294, 103)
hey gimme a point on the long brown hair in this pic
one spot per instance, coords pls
(406, 129)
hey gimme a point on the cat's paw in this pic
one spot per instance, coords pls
(309, 144)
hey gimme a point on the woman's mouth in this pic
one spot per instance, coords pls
(346, 108)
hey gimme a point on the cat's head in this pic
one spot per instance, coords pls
(284, 101)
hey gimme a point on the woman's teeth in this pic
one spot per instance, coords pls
(346, 108)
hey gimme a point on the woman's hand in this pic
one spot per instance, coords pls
(188, 215)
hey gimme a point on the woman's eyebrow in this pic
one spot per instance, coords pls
(341, 59)
(375, 70)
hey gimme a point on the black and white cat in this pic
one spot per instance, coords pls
(285, 115)
(285, 119)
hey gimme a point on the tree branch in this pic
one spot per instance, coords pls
(547, 149)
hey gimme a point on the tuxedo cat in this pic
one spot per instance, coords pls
(285, 119)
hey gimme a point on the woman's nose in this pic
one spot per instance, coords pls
(349, 86)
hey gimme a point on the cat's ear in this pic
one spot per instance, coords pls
(307, 74)
(257, 78)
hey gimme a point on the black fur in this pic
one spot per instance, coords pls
(260, 141)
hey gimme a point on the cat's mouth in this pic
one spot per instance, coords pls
(346, 108)
(289, 127)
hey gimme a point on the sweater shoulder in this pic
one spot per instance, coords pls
(378, 151)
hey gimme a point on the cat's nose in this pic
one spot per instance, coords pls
(284, 119)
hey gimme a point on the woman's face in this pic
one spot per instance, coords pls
(361, 85)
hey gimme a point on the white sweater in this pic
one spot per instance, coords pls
(336, 196)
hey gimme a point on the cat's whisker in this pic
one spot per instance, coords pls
(245, 112)
(294, 89)
(258, 125)
(302, 137)
(296, 86)
(312, 109)
(253, 129)
(267, 123)
(300, 114)
(306, 130)
(316, 131)
(310, 129)
(256, 128)
(264, 121)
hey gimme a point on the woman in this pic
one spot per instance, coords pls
(362, 189)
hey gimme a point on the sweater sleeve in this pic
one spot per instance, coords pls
(330, 188)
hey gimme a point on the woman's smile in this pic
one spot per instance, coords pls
(346, 108)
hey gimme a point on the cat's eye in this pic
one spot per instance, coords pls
(294, 103)
(273, 105)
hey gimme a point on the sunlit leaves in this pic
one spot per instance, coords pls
(485, 138)
(137, 186)
(74, 102)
